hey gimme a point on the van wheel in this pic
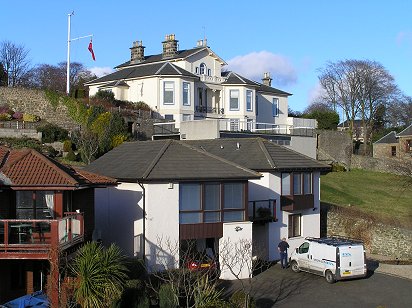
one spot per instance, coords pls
(295, 267)
(330, 278)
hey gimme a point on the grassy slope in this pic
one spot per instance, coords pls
(381, 194)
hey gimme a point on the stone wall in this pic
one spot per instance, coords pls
(380, 238)
(390, 165)
(334, 146)
(20, 133)
(35, 102)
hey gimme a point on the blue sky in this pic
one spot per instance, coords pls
(290, 39)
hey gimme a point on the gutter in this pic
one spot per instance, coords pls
(144, 222)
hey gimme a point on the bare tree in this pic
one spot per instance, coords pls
(399, 112)
(359, 87)
(15, 61)
(88, 144)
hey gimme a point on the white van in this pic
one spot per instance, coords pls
(331, 257)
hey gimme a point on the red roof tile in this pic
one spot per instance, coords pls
(27, 167)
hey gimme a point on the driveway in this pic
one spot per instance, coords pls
(283, 288)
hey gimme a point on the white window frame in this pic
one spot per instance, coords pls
(172, 84)
(275, 107)
(249, 100)
(230, 99)
(186, 93)
(202, 69)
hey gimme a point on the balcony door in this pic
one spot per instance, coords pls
(35, 204)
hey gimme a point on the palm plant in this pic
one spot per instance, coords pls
(100, 273)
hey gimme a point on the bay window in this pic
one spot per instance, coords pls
(234, 100)
(168, 92)
(186, 94)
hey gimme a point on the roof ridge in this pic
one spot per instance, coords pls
(160, 69)
(404, 130)
(157, 158)
(203, 151)
(5, 157)
(174, 66)
(265, 152)
(7, 165)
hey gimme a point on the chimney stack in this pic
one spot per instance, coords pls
(137, 52)
(170, 46)
(266, 80)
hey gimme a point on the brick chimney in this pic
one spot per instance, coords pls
(266, 80)
(137, 52)
(170, 46)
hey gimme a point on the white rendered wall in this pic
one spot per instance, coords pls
(303, 145)
(230, 244)
(118, 211)
(162, 225)
(265, 114)
(267, 237)
(242, 112)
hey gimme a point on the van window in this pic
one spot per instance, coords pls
(304, 248)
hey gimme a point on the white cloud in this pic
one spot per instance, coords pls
(403, 36)
(315, 92)
(101, 71)
(254, 64)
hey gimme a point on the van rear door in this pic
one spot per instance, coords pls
(351, 260)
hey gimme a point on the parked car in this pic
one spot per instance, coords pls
(203, 263)
(333, 258)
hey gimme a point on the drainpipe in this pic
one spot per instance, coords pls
(144, 222)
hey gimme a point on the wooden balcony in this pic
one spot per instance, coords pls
(36, 238)
(262, 211)
(297, 202)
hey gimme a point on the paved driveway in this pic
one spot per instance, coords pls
(283, 288)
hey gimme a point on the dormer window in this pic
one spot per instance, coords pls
(203, 69)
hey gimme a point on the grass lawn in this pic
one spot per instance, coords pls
(383, 195)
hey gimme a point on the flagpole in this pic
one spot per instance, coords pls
(68, 55)
(68, 51)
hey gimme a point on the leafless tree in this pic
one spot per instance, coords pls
(15, 61)
(399, 112)
(359, 87)
(87, 142)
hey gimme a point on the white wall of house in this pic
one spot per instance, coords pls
(241, 112)
(267, 237)
(162, 225)
(199, 129)
(118, 211)
(303, 145)
(237, 237)
(265, 111)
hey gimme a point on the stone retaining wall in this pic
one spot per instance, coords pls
(35, 102)
(390, 165)
(334, 146)
(20, 133)
(379, 238)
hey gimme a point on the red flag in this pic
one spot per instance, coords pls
(91, 50)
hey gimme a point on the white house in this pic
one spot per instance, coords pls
(184, 85)
(209, 191)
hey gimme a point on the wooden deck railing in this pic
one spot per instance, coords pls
(38, 236)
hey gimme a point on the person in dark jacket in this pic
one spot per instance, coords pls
(283, 252)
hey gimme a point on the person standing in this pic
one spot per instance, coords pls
(283, 252)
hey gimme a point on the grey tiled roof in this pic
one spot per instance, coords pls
(259, 154)
(406, 132)
(164, 160)
(267, 89)
(236, 79)
(164, 68)
(389, 138)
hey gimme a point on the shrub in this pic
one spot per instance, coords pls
(67, 145)
(118, 140)
(167, 296)
(5, 117)
(52, 133)
(71, 156)
(18, 115)
(6, 109)
(28, 117)
(338, 168)
(238, 300)
(105, 95)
